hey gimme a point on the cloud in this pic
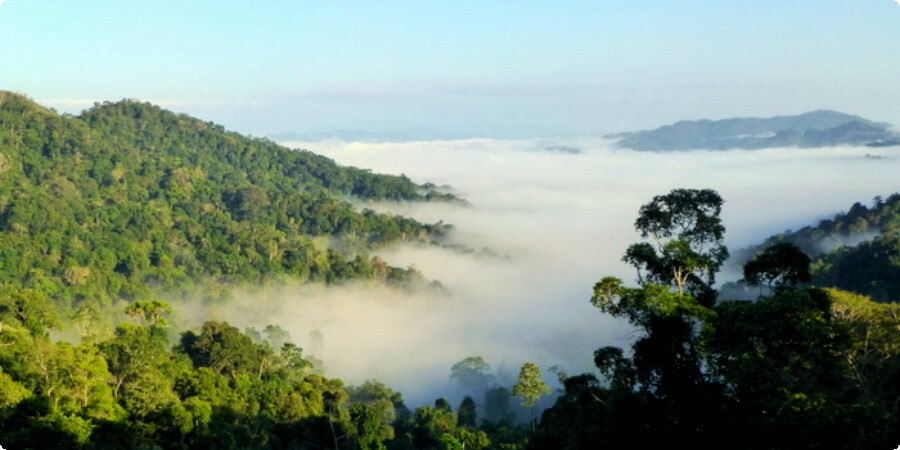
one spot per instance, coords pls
(565, 221)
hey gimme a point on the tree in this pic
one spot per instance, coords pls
(780, 358)
(133, 351)
(32, 309)
(222, 348)
(873, 359)
(530, 387)
(152, 312)
(373, 408)
(687, 240)
(779, 265)
(432, 427)
(466, 414)
(496, 403)
(675, 276)
(471, 373)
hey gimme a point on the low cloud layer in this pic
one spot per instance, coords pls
(564, 220)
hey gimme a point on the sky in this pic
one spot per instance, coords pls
(496, 69)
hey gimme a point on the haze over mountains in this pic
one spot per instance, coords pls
(822, 128)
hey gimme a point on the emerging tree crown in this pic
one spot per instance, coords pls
(687, 236)
(778, 266)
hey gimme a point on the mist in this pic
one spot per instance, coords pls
(564, 219)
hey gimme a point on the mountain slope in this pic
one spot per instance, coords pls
(858, 250)
(812, 129)
(128, 200)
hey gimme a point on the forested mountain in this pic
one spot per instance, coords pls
(812, 129)
(128, 200)
(801, 368)
(105, 213)
(857, 250)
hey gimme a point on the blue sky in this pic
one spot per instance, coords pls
(463, 68)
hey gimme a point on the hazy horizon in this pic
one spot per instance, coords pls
(462, 69)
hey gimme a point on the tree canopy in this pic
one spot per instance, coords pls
(799, 368)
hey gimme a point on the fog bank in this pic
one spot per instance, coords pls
(564, 219)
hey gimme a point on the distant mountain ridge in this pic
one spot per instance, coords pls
(822, 128)
(857, 250)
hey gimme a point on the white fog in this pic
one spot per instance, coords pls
(564, 220)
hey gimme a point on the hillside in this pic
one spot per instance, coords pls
(857, 250)
(812, 129)
(128, 200)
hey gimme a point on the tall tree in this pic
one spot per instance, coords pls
(675, 271)
(466, 414)
(687, 246)
(530, 387)
(471, 373)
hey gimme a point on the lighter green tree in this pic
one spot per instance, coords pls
(530, 387)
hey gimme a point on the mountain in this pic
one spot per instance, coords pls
(128, 201)
(857, 250)
(812, 129)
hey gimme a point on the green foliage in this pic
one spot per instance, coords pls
(129, 201)
(857, 250)
(30, 309)
(779, 265)
(873, 362)
(11, 392)
(150, 311)
(467, 414)
(687, 240)
(802, 368)
(781, 359)
(224, 349)
(871, 268)
(530, 387)
(373, 409)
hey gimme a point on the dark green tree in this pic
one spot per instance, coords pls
(472, 373)
(467, 414)
(686, 234)
(222, 348)
(781, 358)
(778, 266)
(674, 294)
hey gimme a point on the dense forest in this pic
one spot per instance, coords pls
(127, 201)
(106, 214)
(801, 367)
(857, 250)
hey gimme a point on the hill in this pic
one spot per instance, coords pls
(857, 250)
(812, 129)
(127, 201)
